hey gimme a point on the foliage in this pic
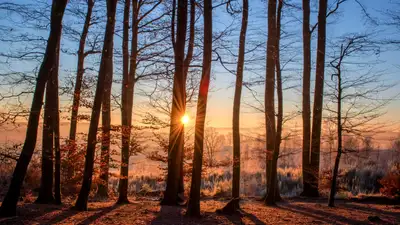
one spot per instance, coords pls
(391, 182)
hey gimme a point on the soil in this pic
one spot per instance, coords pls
(291, 211)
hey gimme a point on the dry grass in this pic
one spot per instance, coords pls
(295, 211)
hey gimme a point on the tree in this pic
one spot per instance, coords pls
(127, 93)
(273, 192)
(194, 199)
(213, 142)
(105, 73)
(79, 77)
(318, 100)
(51, 140)
(310, 169)
(9, 204)
(355, 96)
(306, 113)
(46, 181)
(270, 93)
(233, 205)
(176, 139)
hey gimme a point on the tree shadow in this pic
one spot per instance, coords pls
(173, 214)
(62, 216)
(237, 218)
(319, 214)
(368, 210)
(29, 212)
(254, 218)
(99, 214)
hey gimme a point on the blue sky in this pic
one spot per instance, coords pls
(349, 19)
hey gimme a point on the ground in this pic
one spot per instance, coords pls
(291, 211)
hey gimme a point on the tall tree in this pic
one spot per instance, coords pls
(46, 181)
(307, 171)
(273, 191)
(56, 134)
(306, 113)
(270, 90)
(105, 73)
(187, 62)
(79, 78)
(318, 100)
(142, 22)
(102, 191)
(176, 139)
(194, 198)
(127, 92)
(9, 204)
(353, 99)
(233, 205)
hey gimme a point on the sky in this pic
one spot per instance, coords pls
(349, 19)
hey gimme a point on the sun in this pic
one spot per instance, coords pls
(185, 119)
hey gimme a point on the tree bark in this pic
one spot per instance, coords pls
(127, 104)
(46, 181)
(176, 139)
(105, 72)
(318, 99)
(194, 199)
(9, 204)
(102, 191)
(188, 60)
(335, 171)
(78, 84)
(306, 113)
(56, 126)
(233, 206)
(273, 188)
(270, 92)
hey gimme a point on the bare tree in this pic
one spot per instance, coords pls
(270, 95)
(194, 199)
(233, 205)
(8, 207)
(178, 106)
(318, 100)
(213, 142)
(105, 72)
(79, 76)
(356, 97)
(309, 167)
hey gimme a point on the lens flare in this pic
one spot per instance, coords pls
(185, 119)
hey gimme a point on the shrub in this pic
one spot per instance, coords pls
(391, 182)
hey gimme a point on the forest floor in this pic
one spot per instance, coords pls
(291, 211)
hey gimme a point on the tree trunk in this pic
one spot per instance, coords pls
(78, 85)
(56, 128)
(339, 148)
(105, 72)
(318, 99)
(175, 147)
(279, 125)
(46, 181)
(102, 191)
(233, 206)
(331, 200)
(9, 204)
(188, 60)
(194, 199)
(269, 95)
(127, 104)
(306, 113)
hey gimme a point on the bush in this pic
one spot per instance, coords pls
(391, 182)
